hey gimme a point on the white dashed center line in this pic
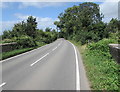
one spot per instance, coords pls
(45, 55)
(39, 59)
(2, 84)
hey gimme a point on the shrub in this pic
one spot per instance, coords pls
(102, 45)
(102, 70)
(25, 42)
(8, 40)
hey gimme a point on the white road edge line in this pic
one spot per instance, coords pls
(23, 53)
(77, 69)
(39, 59)
(2, 84)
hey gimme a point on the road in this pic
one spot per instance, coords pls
(56, 66)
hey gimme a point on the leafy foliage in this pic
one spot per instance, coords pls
(81, 23)
(102, 70)
(25, 41)
(31, 26)
(102, 45)
(84, 23)
(26, 34)
(14, 52)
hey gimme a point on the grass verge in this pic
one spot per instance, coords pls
(102, 71)
(6, 55)
(14, 52)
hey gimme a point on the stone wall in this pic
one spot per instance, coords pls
(8, 46)
(115, 51)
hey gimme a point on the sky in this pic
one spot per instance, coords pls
(47, 12)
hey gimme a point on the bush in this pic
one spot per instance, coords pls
(102, 70)
(102, 45)
(39, 43)
(8, 40)
(25, 42)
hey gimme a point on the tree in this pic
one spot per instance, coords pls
(113, 26)
(78, 19)
(19, 29)
(6, 34)
(31, 27)
(47, 29)
(113, 29)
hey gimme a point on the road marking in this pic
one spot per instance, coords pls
(77, 69)
(45, 55)
(54, 48)
(39, 59)
(23, 54)
(57, 46)
(2, 84)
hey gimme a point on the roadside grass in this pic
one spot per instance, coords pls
(6, 55)
(102, 71)
(14, 52)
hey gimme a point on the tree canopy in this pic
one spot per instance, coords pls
(82, 23)
(26, 34)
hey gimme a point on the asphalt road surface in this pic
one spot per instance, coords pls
(56, 66)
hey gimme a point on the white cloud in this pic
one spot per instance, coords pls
(46, 22)
(43, 22)
(40, 4)
(21, 16)
(7, 25)
(109, 9)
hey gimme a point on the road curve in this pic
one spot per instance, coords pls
(51, 67)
